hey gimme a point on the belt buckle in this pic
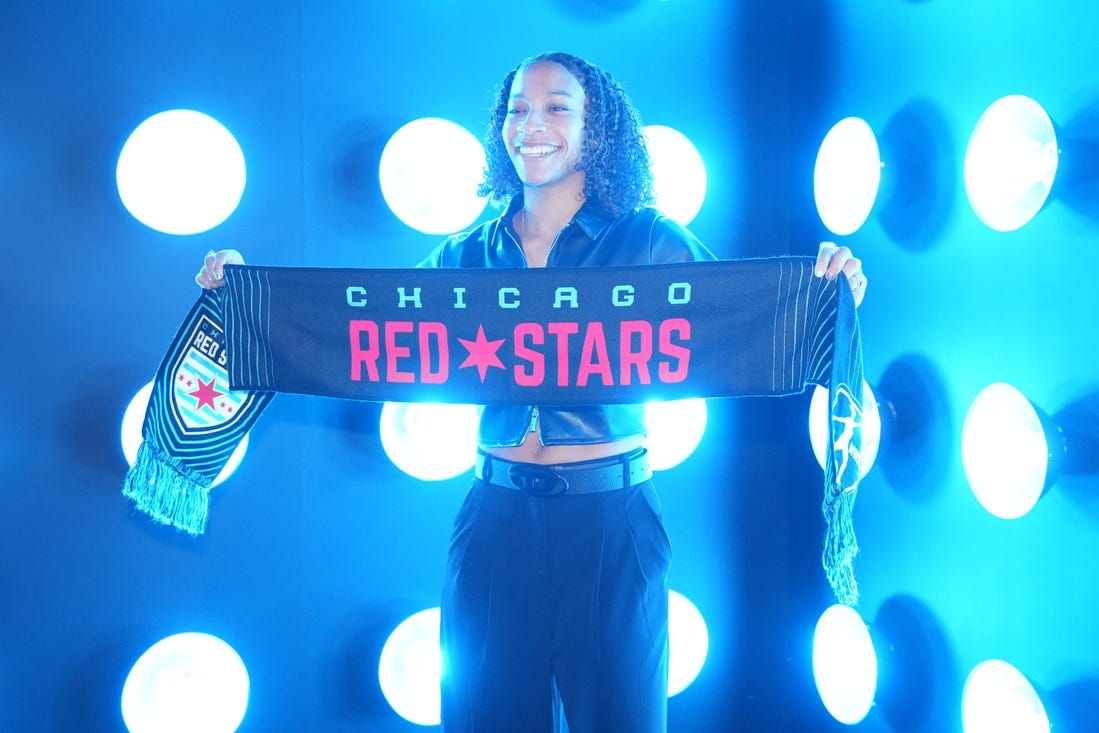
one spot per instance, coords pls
(537, 480)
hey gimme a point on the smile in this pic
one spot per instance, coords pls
(536, 151)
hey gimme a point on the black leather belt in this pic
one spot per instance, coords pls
(584, 477)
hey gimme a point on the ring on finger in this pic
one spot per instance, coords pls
(828, 247)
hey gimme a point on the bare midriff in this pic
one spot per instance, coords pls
(532, 450)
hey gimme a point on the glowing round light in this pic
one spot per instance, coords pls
(134, 418)
(998, 698)
(847, 175)
(871, 427)
(410, 668)
(1010, 162)
(430, 441)
(1004, 451)
(688, 642)
(429, 172)
(180, 172)
(675, 428)
(845, 666)
(679, 175)
(185, 683)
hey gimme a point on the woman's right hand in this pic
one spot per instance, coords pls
(212, 273)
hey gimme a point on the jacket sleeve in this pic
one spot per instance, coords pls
(670, 241)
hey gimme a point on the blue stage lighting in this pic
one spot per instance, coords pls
(871, 427)
(688, 642)
(184, 683)
(675, 428)
(845, 665)
(1010, 162)
(847, 175)
(998, 698)
(134, 418)
(410, 668)
(679, 175)
(430, 441)
(1005, 453)
(181, 172)
(429, 172)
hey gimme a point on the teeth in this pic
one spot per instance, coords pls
(536, 149)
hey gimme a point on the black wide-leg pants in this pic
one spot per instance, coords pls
(556, 598)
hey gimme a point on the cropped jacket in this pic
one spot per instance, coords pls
(593, 238)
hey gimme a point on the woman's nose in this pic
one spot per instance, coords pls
(532, 122)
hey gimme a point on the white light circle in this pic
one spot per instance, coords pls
(847, 175)
(871, 427)
(688, 642)
(181, 172)
(1010, 162)
(675, 429)
(410, 668)
(679, 175)
(430, 441)
(845, 666)
(429, 172)
(186, 683)
(998, 698)
(131, 438)
(1004, 451)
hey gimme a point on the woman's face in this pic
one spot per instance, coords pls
(544, 125)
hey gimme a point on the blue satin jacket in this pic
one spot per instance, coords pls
(593, 238)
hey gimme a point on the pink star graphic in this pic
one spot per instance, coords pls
(482, 353)
(205, 394)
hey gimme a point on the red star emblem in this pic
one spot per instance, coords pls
(482, 353)
(205, 394)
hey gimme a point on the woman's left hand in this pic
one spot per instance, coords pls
(833, 260)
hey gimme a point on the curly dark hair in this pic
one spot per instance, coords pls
(614, 157)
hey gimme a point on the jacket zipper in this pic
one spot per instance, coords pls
(553, 243)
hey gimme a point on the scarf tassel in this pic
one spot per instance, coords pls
(840, 546)
(164, 488)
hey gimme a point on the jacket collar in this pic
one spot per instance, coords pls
(592, 218)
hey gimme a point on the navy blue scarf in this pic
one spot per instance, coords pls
(555, 336)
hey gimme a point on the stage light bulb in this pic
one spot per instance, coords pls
(688, 642)
(679, 175)
(1005, 454)
(184, 683)
(410, 668)
(1010, 162)
(181, 172)
(675, 429)
(847, 175)
(845, 665)
(429, 172)
(430, 441)
(998, 698)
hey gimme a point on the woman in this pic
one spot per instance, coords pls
(556, 578)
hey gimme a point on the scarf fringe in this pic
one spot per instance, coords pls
(840, 545)
(167, 490)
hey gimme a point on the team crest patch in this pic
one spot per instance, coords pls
(201, 397)
(847, 416)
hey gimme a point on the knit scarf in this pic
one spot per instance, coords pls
(558, 336)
